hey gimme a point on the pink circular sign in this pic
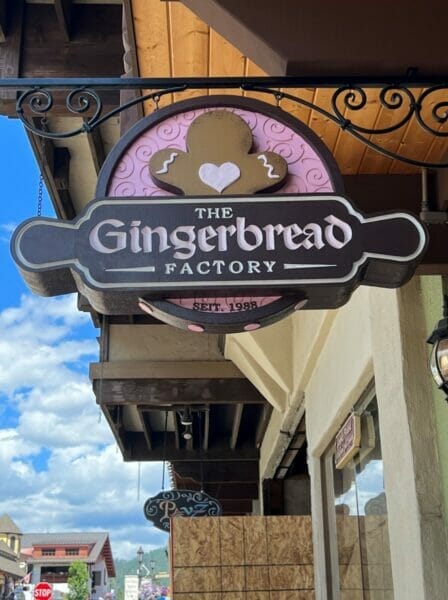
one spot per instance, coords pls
(272, 131)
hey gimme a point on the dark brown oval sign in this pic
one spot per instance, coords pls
(180, 503)
(220, 258)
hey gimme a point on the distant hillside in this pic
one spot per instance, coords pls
(129, 567)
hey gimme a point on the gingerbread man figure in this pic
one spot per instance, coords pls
(218, 160)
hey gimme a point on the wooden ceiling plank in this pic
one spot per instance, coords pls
(131, 115)
(348, 151)
(237, 415)
(321, 125)
(152, 37)
(373, 162)
(253, 70)
(297, 110)
(63, 10)
(416, 141)
(190, 46)
(224, 60)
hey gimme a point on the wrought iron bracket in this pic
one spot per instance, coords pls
(407, 99)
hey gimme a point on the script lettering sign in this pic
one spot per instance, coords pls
(316, 246)
(348, 441)
(180, 503)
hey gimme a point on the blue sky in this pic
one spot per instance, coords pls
(59, 464)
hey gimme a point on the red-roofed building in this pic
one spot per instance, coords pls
(50, 556)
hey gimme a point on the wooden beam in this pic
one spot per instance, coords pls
(11, 52)
(236, 506)
(206, 427)
(224, 490)
(238, 413)
(3, 20)
(216, 472)
(262, 424)
(95, 141)
(131, 115)
(292, 38)
(176, 431)
(153, 370)
(137, 449)
(96, 49)
(144, 421)
(63, 10)
(113, 419)
(54, 164)
(441, 186)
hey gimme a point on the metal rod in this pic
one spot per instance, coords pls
(199, 83)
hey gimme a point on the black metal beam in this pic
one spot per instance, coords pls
(202, 83)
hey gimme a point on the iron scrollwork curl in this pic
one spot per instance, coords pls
(353, 98)
(429, 108)
(80, 100)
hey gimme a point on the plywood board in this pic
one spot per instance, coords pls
(257, 578)
(233, 578)
(243, 558)
(258, 596)
(197, 579)
(280, 532)
(232, 540)
(255, 542)
(196, 541)
(291, 577)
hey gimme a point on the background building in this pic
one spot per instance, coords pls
(12, 566)
(49, 556)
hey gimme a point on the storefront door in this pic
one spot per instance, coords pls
(359, 520)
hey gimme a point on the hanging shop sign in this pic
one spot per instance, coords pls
(180, 503)
(258, 225)
(348, 441)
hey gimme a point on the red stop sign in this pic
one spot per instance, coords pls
(43, 591)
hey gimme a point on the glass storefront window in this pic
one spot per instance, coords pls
(361, 519)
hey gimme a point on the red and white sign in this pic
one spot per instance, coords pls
(43, 591)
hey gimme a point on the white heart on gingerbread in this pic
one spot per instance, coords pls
(219, 177)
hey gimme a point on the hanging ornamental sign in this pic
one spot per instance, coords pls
(218, 214)
(180, 503)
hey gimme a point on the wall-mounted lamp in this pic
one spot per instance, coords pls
(439, 355)
(186, 419)
(188, 433)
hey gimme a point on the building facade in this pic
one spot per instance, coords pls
(49, 556)
(12, 566)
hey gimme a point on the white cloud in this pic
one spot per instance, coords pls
(60, 467)
(6, 230)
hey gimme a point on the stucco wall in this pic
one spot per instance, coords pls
(332, 356)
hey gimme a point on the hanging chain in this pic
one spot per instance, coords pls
(201, 463)
(164, 450)
(40, 190)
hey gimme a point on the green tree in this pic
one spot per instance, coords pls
(78, 581)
